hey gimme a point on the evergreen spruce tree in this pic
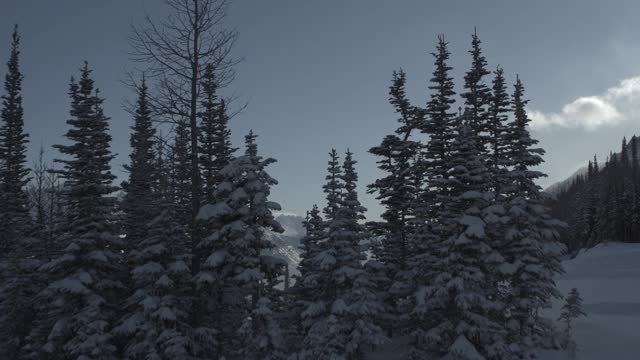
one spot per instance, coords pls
(214, 144)
(307, 288)
(397, 193)
(497, 129)
(345, 313)
(532, 249)
(14, 213)
(333, 187)
(156, 322)
(477, 95)
(83, 287)
(624, 194)
(263, 337)
(433, 166)
(233, 275)
(180, 159)
(440, 127)
(318, 265)
(364, 304)
(138, 202)
(310, 244)
(457, 305)
(588, 210)
(206, 142)
(395, 190)
(20, 253)
(635, 218)
(571, 310)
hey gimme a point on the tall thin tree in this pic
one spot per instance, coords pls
(14, 216)
(83, 287)
(138, 198)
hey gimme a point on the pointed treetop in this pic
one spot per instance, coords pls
(519, 104)
(15, 41)
(209, 82)
(333, 187)
(398, 98)
(350, 176)
(251, 148)
(477, 94)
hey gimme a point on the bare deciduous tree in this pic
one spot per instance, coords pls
(174, 53)
(45, 199)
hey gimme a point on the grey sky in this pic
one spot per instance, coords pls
(316, 73)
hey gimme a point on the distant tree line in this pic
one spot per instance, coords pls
(178, 266)
(603, 203)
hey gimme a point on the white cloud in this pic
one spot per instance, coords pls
(618, 104)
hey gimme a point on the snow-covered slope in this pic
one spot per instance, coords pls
(287, 243)
(608, 278)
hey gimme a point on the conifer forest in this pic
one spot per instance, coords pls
(178, 254)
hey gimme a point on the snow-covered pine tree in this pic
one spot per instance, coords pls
(531, 249)
(456, 304)
(318, 267)
(207, 131)
(19, 252)
(626, 194)
(477, 95)
(499, 108)
(234, 269)
(588, 211)
(261, 333)
(433, 166)
(306, 289)
(364, 306)
(156, 321)
(83, 287)
(440, 126)
(310, 244)
(333, 187)
(138, 204)
(571, 310)
(14, 212)
(397, 194)
(344, 316)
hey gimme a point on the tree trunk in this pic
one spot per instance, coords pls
(195, 176)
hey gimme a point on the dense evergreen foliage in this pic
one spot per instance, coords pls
(601, 204)
(181, 266)
(84, 287)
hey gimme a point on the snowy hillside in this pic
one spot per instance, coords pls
(608, 278)
(562, 185)
(287, 243)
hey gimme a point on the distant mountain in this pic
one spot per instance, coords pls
(562, 185)
(288, 243)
